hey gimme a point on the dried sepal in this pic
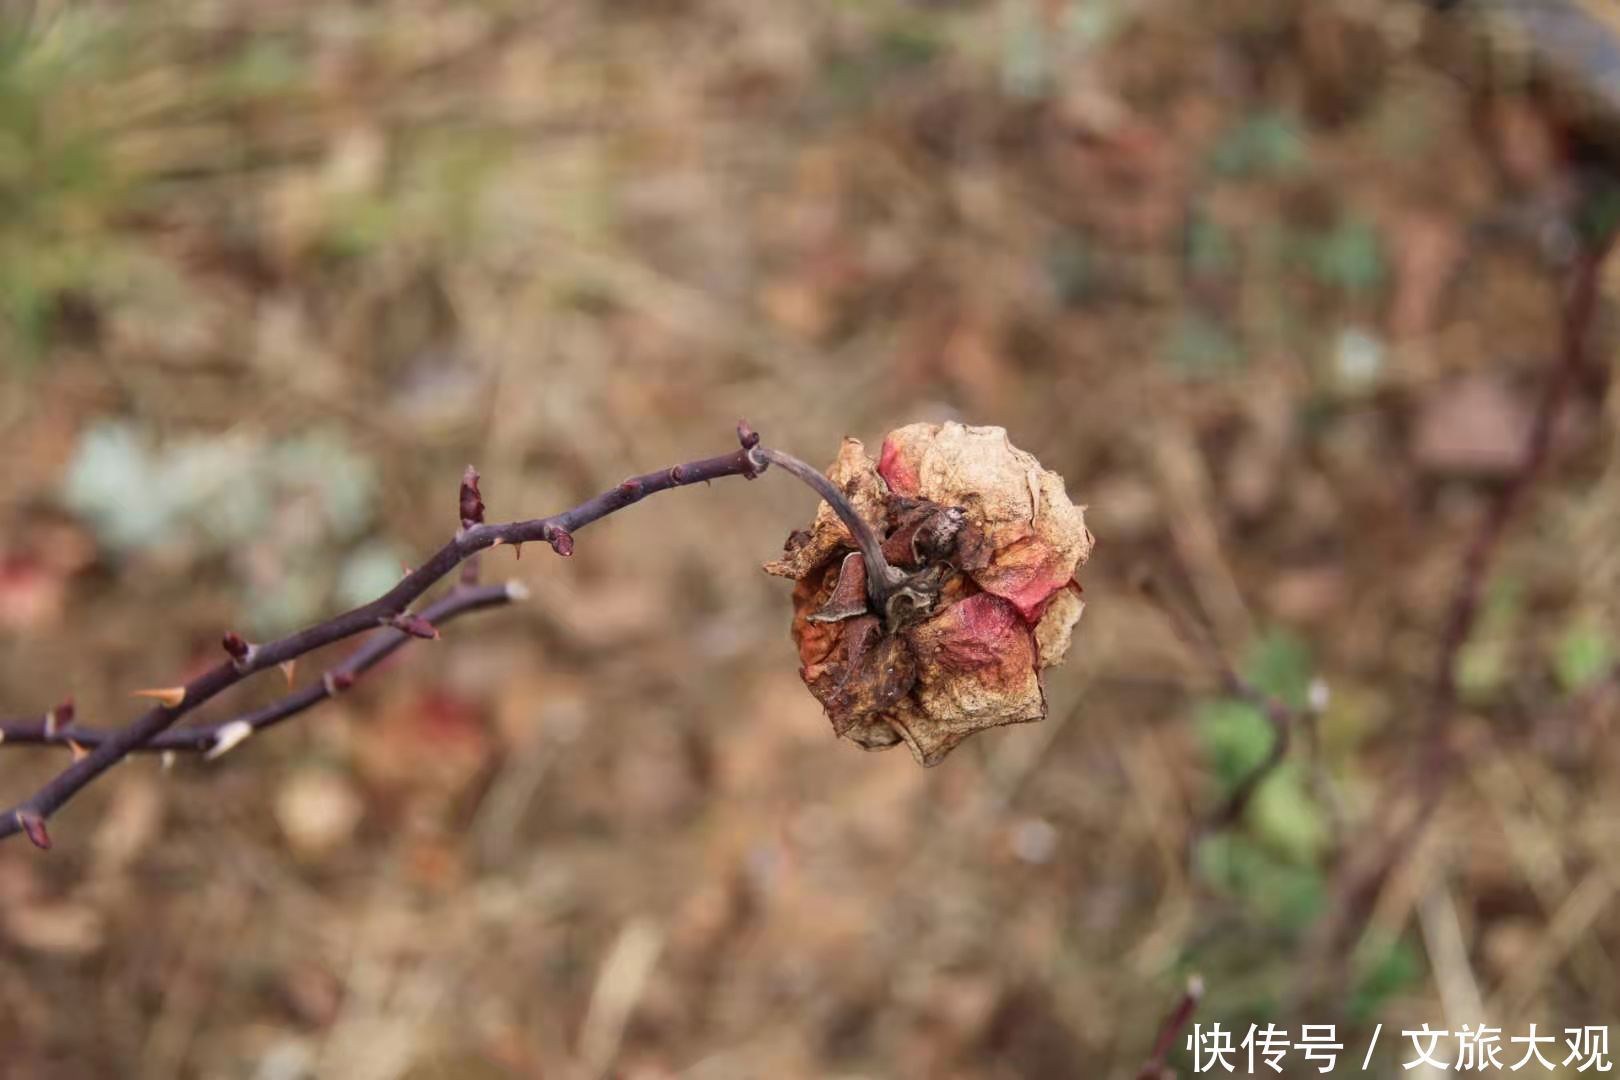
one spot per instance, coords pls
(989, 545)
(848, 597)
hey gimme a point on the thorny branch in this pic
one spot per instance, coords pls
(58, 728)
(390, 616)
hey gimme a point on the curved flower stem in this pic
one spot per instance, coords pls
(882, 579)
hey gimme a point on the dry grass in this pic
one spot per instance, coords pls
(1219, 270)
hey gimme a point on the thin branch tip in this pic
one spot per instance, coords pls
(517, 591)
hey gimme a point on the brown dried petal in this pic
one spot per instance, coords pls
(975, 670)
(1053, 632)
(1039, 538)
(877, 674)
(856, 476)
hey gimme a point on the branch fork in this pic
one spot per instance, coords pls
(391, 624)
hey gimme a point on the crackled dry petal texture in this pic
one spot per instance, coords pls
(1008, 601)
(1039, 537)
(975, 669)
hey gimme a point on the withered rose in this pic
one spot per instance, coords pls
(984, 545)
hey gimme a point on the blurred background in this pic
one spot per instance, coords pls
(1272, 283)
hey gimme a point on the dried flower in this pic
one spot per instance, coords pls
(987, 543)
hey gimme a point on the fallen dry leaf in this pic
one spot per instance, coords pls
(1477, 427)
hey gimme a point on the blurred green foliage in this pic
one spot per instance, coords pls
(58, 183)
(1265, 144)
(1486, 659)
(1583, 654)
(1272, 864)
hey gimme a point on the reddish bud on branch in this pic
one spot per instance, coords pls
(560, 539)
(472, 501)
(416, 626)
(59, 718)
(238, 648)
(33, 825)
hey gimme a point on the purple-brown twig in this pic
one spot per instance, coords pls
(58, 728)
(1154, 1068)
(389, 615)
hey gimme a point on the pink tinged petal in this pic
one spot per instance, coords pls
(979, 632)
(898, 468)
(975, 670)
(1026, 574)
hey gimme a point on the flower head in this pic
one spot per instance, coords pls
(989, 542)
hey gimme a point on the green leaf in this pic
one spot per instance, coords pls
(1286, 819)
(1350, 257)
(1280, 664)
(1584, 654)
(1285, 894)
(1390, 972)
(1236, 738)
(1270, 143)
(1201, 346)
